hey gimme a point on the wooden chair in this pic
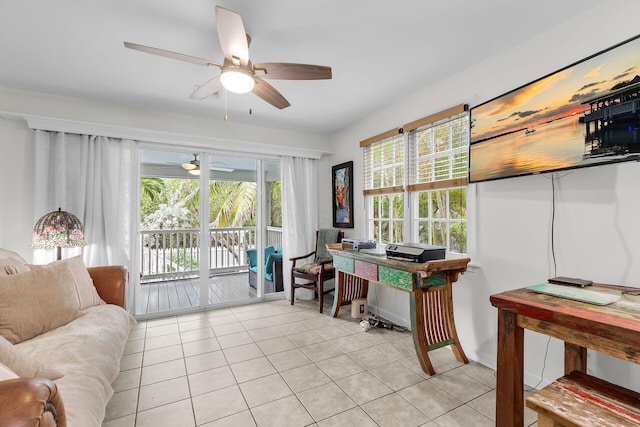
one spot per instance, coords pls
(319, 270)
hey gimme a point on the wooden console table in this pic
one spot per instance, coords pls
(612, 329)
(430, 286)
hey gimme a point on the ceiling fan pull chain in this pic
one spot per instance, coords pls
(225, 105)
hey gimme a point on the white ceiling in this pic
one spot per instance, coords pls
(380, 51)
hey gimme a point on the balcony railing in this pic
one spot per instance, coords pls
(171, 254)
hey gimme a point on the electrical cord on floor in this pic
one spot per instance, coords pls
(373, 321)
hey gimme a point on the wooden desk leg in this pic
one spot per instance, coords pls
(575, 358)
(455, 347)
(348, 287)
(510, 382)
(433, 322)
(418, 329)
(339, 293)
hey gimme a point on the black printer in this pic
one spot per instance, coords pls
(415, 252)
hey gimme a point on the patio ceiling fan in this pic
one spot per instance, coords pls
(237, 73)
(193, 166)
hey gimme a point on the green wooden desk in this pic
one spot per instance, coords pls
(430, 286)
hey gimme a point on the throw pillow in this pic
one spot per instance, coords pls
(37, 301)
(22, 364)
(85, 290)
(13, 256)
(16, 269)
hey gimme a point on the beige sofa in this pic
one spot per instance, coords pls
(80, 332)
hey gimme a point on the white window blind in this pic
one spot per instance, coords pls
(439, 150)
(384, 163)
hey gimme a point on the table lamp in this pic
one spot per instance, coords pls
(58, 229)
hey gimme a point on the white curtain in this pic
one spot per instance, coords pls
(299, 216)
(92, 178)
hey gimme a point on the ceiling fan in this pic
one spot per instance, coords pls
(237, 73)
(193, 167)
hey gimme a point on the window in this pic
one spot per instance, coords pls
(431, 175)
(384, 176)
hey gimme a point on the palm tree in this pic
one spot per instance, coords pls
(235, 207)
(151, 190)
(237, 203)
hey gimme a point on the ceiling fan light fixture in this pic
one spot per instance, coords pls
(236, 79)
(194, 172)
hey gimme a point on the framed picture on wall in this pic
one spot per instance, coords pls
(342, 177)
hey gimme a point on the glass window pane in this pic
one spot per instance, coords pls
(458, 203)
(384, 208)
(458, 232)
(398, 232)
(374, 207)
(376, 230)
(423, 232)
(439, 236)
(441, 137)
(385, 228)
(423, 204)
(398, 206)
(442, 168)
(439, 204)
(377, 179)
(460, 165)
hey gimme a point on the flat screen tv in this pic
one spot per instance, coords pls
(585, 114)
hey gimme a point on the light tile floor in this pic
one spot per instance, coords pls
(273, 364)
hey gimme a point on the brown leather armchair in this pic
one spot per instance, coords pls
(31, 402)
(110, 282)
(35, 402)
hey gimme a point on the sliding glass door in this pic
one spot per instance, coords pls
(198, 252)
(170, 235)
(232, 224)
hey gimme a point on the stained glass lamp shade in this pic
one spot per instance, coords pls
(58, 229)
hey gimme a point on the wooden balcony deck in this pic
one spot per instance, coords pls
(157, 297)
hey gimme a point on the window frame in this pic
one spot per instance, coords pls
(410, 191)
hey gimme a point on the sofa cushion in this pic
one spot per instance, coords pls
(268, 268)
(37, 301)
(22, 364)
(12, 256)
(6, 373)
(16, 269)
(86, 292)
(313, 268)
(252, 257)
(268, 250)
(9, 259)
(87, 352)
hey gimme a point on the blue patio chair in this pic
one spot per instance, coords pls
(272, 269)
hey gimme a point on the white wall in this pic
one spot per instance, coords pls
(17, 144)
(16, 186)
(597, 234)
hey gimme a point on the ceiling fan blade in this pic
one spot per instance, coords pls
(221, 169)
(289, 71)
(232, 36)
(172, 55)
(207, 89)
(269, 94)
